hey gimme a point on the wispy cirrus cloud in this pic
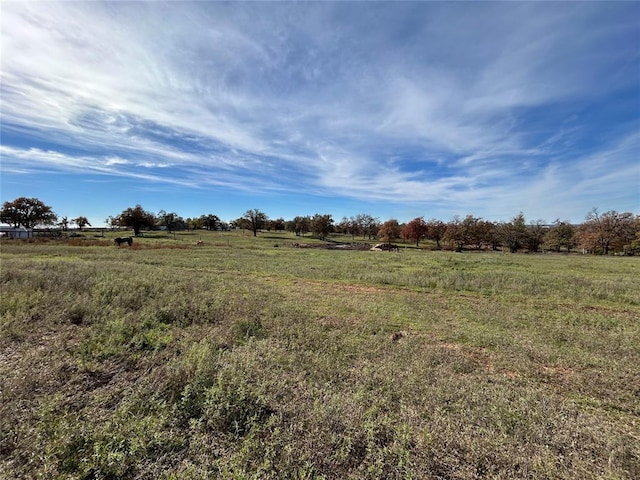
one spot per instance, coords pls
(415, 101)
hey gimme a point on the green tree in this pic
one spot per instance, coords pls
(321, 225)
(278, 224)
(81, 222)
(136, 218)
(514, 233)
(255, 220)
(27, 212)
(171, 220)
(299, 225)
(560, 235)
(64, 224)
(210, 221)
(367, 224)
(634, 246)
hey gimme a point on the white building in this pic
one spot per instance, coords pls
(15, 232)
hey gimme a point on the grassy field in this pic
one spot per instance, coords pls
(246, 358)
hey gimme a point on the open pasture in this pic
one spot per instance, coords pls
(246, 358)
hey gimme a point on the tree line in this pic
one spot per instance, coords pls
(601, 233)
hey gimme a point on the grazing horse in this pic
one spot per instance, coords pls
(120, 240)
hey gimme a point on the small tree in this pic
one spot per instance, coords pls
(536, 234)
(436, 230)
(610, 230)
(389, 231)
(170, 220)
(81, 222)
(416, 229)
(255, 220)
(485, 234)
(343, 227)
(137, 218)
(560, 235)
(321, 225)
(634, 246)
(474, 231)
(299, 225)
(112, 222)
(367, 225)
(514, 233)
(278, 224)
(27, 212)
(209, 221)
(456, 233)
(355, 226)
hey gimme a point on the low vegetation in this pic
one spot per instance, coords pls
(243, 357)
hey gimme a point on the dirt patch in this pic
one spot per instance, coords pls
(556, 371)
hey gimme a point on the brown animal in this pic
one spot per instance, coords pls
(199, 242)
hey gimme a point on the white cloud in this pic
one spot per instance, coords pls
(322, 96)
(115, 161)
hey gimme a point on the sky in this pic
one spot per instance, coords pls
(397, 110)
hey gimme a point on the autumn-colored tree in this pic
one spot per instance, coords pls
(27, 212)
(416, 229)
(536, 233)
(389, 231)
(436, 230)
(454, 233)
(466, 231)
(493, 235)
(607, 231)
(476, 231)
(486, 234)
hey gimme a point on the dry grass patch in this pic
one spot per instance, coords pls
(256, 362)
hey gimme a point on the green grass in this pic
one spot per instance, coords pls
(240, 359)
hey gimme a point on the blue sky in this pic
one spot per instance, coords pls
(393, 109)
